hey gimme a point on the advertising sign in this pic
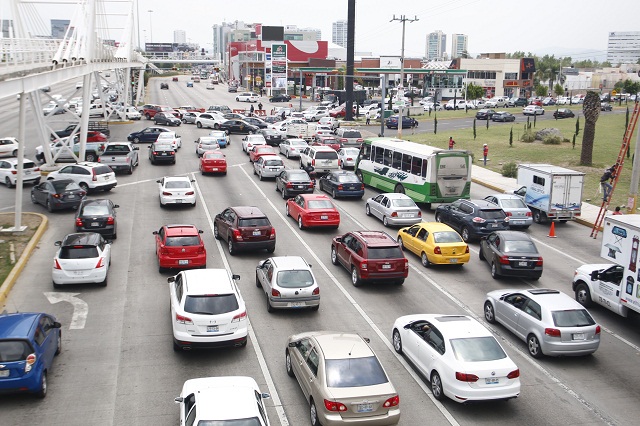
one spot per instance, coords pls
(279, 65)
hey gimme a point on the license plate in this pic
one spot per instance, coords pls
(71, 196)
(212, 328)
(523, 263)
(386, 266)
(94, 224)
(299, 186)
(273, 169)
(183, 262)
(492, 381)
(256, 233)
(4, 373)
(164, 153)
(578, 336)
(453, 260)
(296, 304)
(516, 222)
(493, 225)
(214, 169)
(407, 215)
(364, 408)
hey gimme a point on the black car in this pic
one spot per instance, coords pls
(342, 184)
(148, 134)
(261, 124)
(291, 182)
(280, 98)
(166, 118)
(485, 114)
(238, 126)
(503, 116)
(272, 137)
(162, 152)
(407, 122)
(97, 216)
(563, 113)
(511, 253)
(472, 218)
(604, 106)
(164, 85)
(58, 194)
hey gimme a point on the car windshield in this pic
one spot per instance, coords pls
(101, 170)
(14, 350)
(61, 186)
(325, 155)
(519, 246)
(213, 156)
(320, 204)
(176, 184)
(215, 304)
(218, 134)
(348, 178)
(293, 279)
(477, 349)
(352, 152)
(492, 214)
(253, 222)
(253, 421)
(78, 252)
(572, 318)
(385, 253)
(403, 202)
(446, 237)
(184, 240)
(298, 175)
(354, 372)
(95, 210)
(298, 143)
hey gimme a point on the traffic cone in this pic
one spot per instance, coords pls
(552, 231)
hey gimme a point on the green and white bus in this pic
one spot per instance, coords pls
(426, 174)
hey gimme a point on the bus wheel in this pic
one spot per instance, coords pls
(399, 189)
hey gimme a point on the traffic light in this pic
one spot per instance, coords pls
(202, 51)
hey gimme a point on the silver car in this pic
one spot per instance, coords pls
(268, 166)
(291, 148)
(349, 136)
(288, 283)
(348, 157)
(551, 322)
(206, 143)
(190, 117)
(519, 214)
(394, 209)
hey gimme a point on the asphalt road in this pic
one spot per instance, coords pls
(119, 366)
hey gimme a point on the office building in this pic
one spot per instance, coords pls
(179, 36)
(623, 47)
(436, 46)
(459, 45)
(339, 33)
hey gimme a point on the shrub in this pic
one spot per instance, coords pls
(552, 140)
(528, 136)
(510, 170)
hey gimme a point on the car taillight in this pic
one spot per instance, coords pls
(406, 264)
(31, 359)
(14, 172)
(79, 222)
(334, 405)
(237, 236)
(437, 250)
(339, 187)
(504, 260)
(272, 234)
(466, 249)
(56, 265)
(539, 262)
(464, 377)
(190, 193)
(313, 162)
(289, 185)
(514, 374)
(110, 220)
(339, 162)
(166, 193)
(155, 152)
(56, 195)
(343, 140)
(183, 320)
(597, 329)
(100, 263)
(275, 293)
(394, 214)
(317, 292)
(528, 214)
(419, 212)
(392, 402)
(94, 177)
(241, 316)
(553, 332)
(360, 140)
(508, 213)
(37, 169)
(172, 153)
(478, 220)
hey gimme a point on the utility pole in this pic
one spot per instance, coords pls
(404, 20)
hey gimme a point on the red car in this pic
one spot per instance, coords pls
(326, 140)
(180, 247)
(174, 79)
(313, 210)
(535, 102)
(213, 162)
(260, 150)
(338, 112)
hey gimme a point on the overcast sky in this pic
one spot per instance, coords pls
(576, 28)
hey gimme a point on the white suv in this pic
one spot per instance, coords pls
(89, 176)
(323, 159)
(210, 120)
(9, 172)
(9, 146)
(247, 97)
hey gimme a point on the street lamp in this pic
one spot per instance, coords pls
(150, 26)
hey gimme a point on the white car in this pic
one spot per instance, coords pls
(291, 148)
(206, 143)
(348, 157)
(9, 172)
(268, 166)
(497, 102)
(83, 258)
(9, 147)
(288, 283)
(176, 190)
(533, 110)
(210, 119)
(207, 310)
(53, 108)
(222, 400)
(250, 141)
(562, 100)
(87, 175)
(330, 121)
(131, 113)
(247, 97)
(172, 138)
(458, 355)
(316, 113)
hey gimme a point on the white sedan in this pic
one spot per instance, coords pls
(9, 146)
(176, 190)
(291, 148)
(172, 138)
(348, 157)
(250, 141)
(268, 166)
(458, 355)
(247, 97)
(82, 258)
(533, 110)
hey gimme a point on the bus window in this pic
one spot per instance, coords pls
(378, 155)
(365, 152)
(424, 169)
(397, 160)
(406, 163)
(416, 166)
(388, 154)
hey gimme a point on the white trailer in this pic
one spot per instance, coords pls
(551, 192)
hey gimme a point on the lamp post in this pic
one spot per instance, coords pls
(150, 26)
(404, 20)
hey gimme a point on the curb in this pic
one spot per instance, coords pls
(11, 279)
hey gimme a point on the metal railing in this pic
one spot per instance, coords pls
(27, 52)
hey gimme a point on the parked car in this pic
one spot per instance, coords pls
(166, 119)
(516, 102)
(604, 106)
(288, 283)
(342, 183)
(293, 181)
(458, 356)
(162, 152)
(89, 176)
(280, 98)
(393, 209)
(244, 228)
(97, 215)
(58, 194)
(291, 148)
(514, 207)
(407, 122)
(9, 172)
(549, 321)
(28, 344)
(563, 113)
(207, 310)
(313, 210)
(503, 116)
(82, 258)
(333, 396)
(511, 254)
(131, 113)
(435, 243)
(472, 218)
(548, 101)
(533, 110)
(180, 247)
(148, 134)
(213, 162)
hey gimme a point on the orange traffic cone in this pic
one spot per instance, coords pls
(552, 231)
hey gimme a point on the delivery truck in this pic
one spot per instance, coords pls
(614, 284)
(552, 193)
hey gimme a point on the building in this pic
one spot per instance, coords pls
(459, 45)
(436, 46)
(623, 47)
(497, 75)
(339, 33)
(293, 33)
(179, 36)
(59, 28)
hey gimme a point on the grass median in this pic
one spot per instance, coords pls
(14, 242)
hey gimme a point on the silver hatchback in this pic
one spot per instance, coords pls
(394, 209)
(516, 210)
(288, 283)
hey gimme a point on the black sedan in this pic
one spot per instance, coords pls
(485, 114)
(261, 124)
(280, 98)
(511, 253)
(166, 118)
(238, 126)
(162, 152)
(58, 194)
(164, 86)
(291, 182)
(503, 116)
(97, 216)
(407, 122)
(149, 134)
(272, 137)
(342, 184)
(563, 113)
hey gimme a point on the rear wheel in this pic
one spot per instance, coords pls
(465, 234)
(49, 206)
(397, 341)
(494, 271)
(533, 345)
(84, 187)
(269, 306)
(385, 221)
(489, 314)
(436, 386)
(300, 224)
(42, 392)
(424, 259)
(355, 278)
(334, 256)
(287, 363)
(7, 182)
(232, 247)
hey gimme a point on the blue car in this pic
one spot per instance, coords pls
(342, 184)
(407, 122)
(28, 344)
(148, 134)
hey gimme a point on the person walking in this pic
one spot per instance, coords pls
(260, 106)
(605, 179)
(485, 153)
(368, 117)
(251, 110)
(451, 143)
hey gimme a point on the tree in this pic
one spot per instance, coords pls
(541, 90)
(558, 90)
(591, 111)
(474, 92)
(435, 123)
(511, 137)
(474, 129)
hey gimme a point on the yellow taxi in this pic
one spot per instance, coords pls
(435, 243)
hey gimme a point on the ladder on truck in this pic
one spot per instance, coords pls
(604, 208)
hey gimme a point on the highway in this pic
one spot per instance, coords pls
(119, 367)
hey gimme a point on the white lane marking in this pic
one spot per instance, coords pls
(256, 346)
(80, 307)
(7, 208)
(155, 179)
(357, 306)
(581, 262)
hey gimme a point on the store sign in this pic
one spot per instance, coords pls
(510, 83)
(279, 65)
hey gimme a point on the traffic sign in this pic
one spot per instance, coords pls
(613, 93)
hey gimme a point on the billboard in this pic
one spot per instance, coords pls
(279, 65)
(272, 33)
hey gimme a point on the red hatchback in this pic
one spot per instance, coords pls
(260, 150)
(213, 162)
(180, 247)
(313, 210)
(326, 140)
(370, 256)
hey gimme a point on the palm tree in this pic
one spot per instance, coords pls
(591, 111)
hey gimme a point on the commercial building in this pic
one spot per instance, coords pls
(339, 33)
(292, 32)
(179, 36)
(459, 45)
(623, 47)
(436, 46)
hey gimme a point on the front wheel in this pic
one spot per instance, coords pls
(287, 363)
(424, 259)
(466, 235)
(489, 314)
(367, 210)
(397, 341)
(334, 256)
(583, 295)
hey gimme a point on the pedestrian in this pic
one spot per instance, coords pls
(368, 116)
(617, 210)
(485, 152)
(451, 142)
(605, 179)
(273, 111)
(251, 110)
(260, 106)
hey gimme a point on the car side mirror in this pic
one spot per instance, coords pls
(338, 239)
(178, 399)
(56, 324)
(235, 276)
(293, 344)
(159, 180)
(193, 180)
(57, 243)
(116, 206)
(155, 232)
(200, 231)
(594, 275)
(171, 280)
(135, 148)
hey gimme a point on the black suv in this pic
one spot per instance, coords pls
(473, 219)
(280, 98)
(244, 228)
(164, 86)
(166, 118)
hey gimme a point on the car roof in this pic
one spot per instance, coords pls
(208, 281)
(248, 211)
(96, 201)
(395, 195)
(549, 298)
(81, 239)
(14, 161)
(505, 196)
(17, 325)
(484, 204)
(323, 148)
(181, 230)
(514, 235)
(308, 197)
(290, 262)
(224, 398)
(342, 345)
(436, 226)
(375, 238)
